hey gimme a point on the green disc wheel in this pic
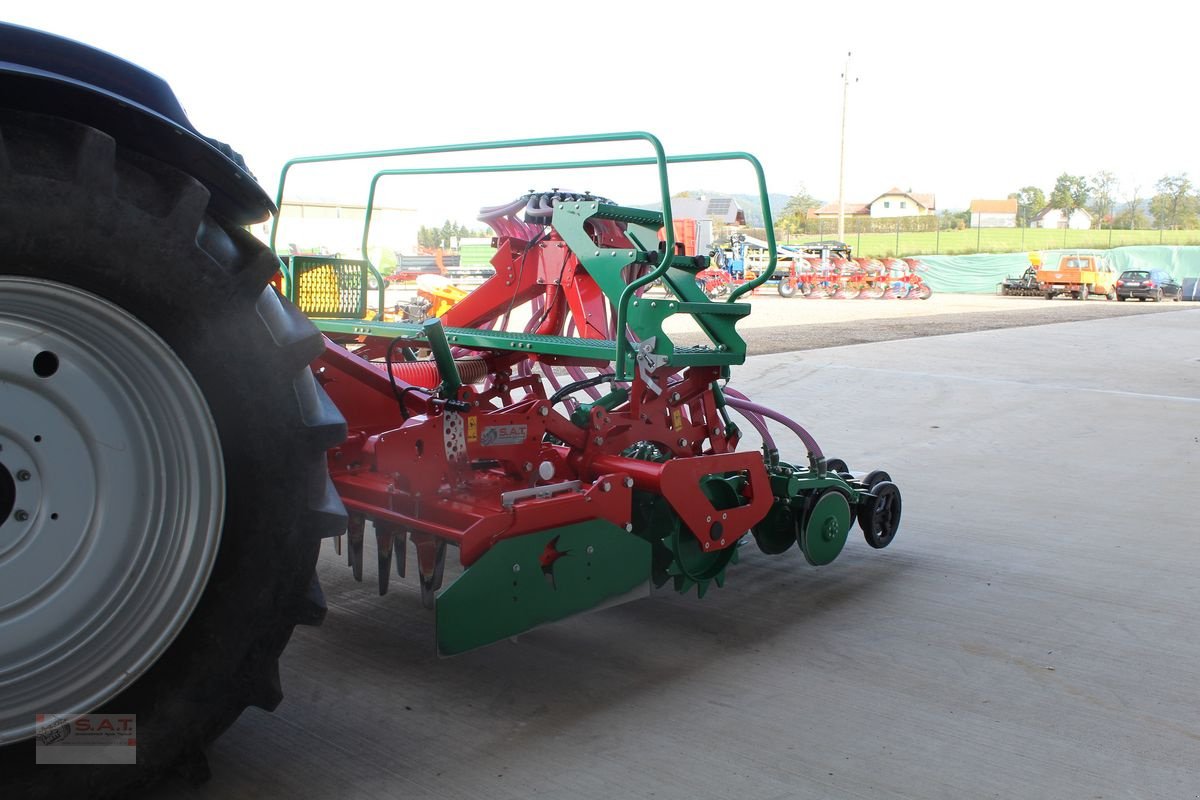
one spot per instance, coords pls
(824, 532)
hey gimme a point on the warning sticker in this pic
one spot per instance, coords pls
(676, 419)
(497, 435)
(472, 429)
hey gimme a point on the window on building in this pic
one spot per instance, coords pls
(904, 204)
(887, 203)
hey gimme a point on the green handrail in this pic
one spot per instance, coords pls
(660, 160)
(631, 289)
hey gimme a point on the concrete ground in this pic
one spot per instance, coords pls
(1032, 632)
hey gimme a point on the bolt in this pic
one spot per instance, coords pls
(545, 470)
(708, 519)
(544, 411)
(23, 475)
(606, 487)
(674, 397)
(599, 440)
(724, 516)
(516, 567)
(528, 466)
(722, 543)
(682, 442)
(590, 549)
(707, 545)
(21, 516)
(628, 483)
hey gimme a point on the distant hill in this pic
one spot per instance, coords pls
(748, 202)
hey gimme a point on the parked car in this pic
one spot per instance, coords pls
(1148, 284)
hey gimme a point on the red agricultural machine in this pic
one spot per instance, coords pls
(827, 270)
(177, 439)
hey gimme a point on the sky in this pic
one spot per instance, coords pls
(963, 100)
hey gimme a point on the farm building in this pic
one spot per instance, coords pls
(830, 210)
(897, 203)
(1081, 219)
(724, 210)
(994, 213)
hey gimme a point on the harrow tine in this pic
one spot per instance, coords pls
(354, 544)
(337, 544)
(384, 544)
(401, 549)
(431, 562)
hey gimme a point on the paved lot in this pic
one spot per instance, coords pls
(1032, 632)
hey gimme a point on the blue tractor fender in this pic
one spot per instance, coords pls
(48, 74)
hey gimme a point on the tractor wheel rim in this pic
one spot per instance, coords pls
(110, 531)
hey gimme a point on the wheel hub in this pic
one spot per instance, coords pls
(111, 500)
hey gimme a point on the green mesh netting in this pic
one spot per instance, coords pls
(979, 274)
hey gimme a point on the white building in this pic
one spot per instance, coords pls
(1080, 219)
(994, 213)
(897, 203)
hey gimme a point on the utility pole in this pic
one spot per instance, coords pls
(842, 160)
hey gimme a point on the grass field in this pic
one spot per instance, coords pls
(1001, 240)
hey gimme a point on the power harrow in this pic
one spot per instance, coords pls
(570, 465)
(177, 440)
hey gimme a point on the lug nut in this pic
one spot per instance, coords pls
(21, 516)
(629, 483)
(23, 475)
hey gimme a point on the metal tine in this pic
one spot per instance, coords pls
(354, 544)
(337, 544)
(401, 549)
(384, 543)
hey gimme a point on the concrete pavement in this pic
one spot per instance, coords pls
(1032, 632)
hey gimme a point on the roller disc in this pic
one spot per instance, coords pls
(777, 531)
(880, 518)
(876, 477)
(823, 534)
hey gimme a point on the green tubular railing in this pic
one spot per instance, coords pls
(660, 160)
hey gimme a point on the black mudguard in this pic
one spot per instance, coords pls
(48, 74)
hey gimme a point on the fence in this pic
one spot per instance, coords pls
(869, 240)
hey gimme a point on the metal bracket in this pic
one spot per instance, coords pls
(454, 437)
(649, 362)
(508, 499)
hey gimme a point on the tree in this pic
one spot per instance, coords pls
(1173, 206)
(1070, 193)
(955, 220)
(1103, 185)
(792, 218)
(1134, 211)
(1030, 200)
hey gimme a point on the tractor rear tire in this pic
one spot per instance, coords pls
(82, 217)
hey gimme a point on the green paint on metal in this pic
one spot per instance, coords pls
(823, 533)
(509, 590)
(569, 346)
(643, 228)
(435, 334)
(581, 416)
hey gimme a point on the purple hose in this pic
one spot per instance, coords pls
(757, 423)
(739, 401)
